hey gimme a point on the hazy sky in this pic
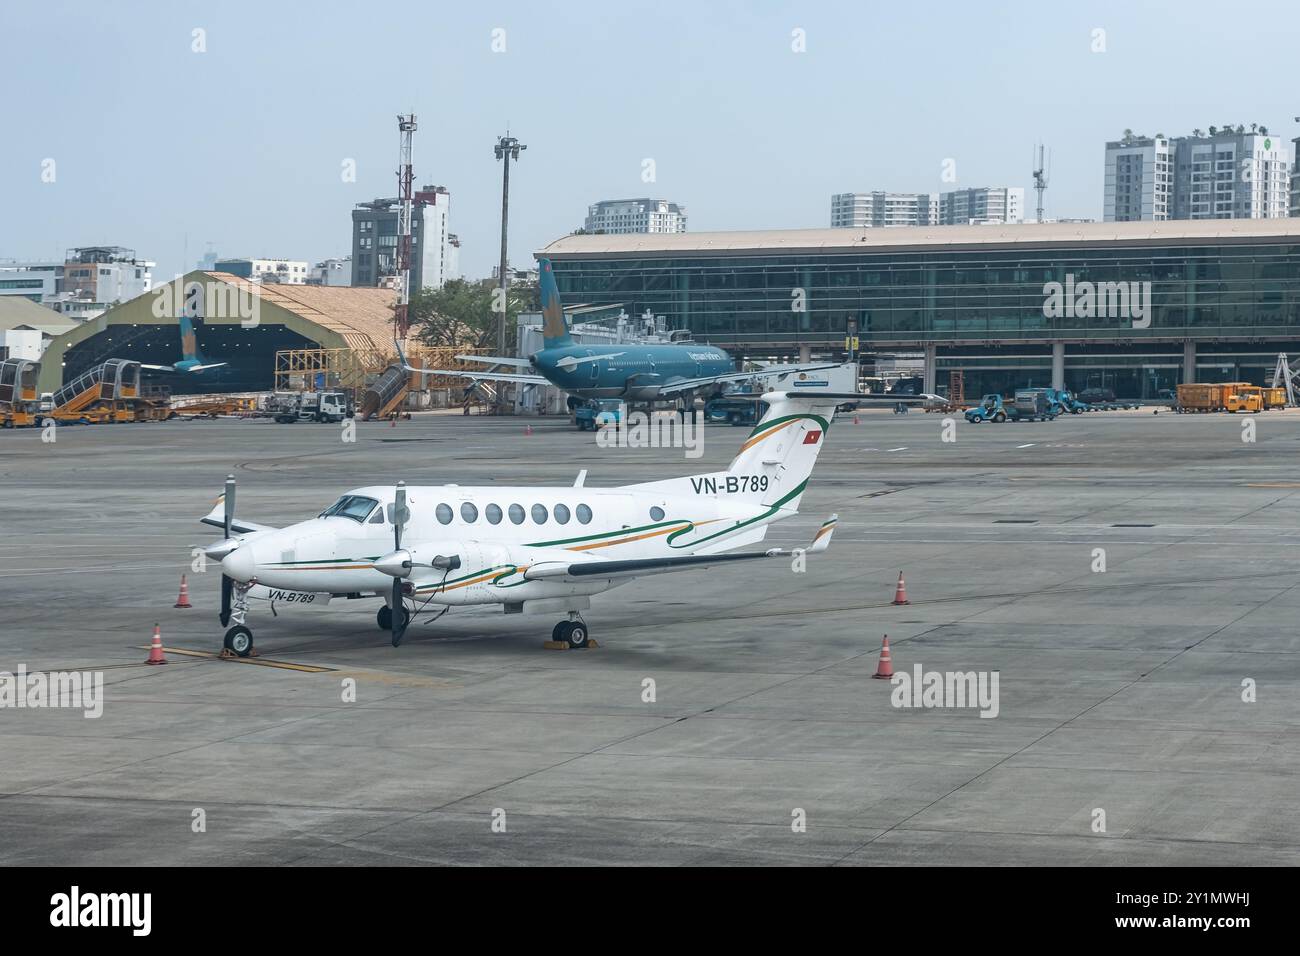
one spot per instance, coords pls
(240, 148)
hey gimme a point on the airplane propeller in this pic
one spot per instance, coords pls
(395, 605)
(227, 585)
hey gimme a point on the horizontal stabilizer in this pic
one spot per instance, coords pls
(636, 567)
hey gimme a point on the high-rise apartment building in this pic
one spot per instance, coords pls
(1230, 173)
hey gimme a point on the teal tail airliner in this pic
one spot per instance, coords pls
(636, 372)
(190, 360)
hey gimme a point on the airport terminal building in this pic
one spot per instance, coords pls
(1134, 306)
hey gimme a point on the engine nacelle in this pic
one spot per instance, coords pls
(444, 556)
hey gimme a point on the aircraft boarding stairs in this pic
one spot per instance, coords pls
(109, 391)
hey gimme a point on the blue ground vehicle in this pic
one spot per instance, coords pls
(598, 413)
(734, 410)
(990, 409)
(1069, 403)
(1029, 405)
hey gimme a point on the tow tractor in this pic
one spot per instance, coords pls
(1030, 404)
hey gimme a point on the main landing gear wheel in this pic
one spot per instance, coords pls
(573, 633)
(239, 640)
(385, 618)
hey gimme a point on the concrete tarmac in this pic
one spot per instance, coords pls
(1120, 691)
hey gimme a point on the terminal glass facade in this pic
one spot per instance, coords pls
(1234, 291)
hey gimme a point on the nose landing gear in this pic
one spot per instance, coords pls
(239, 639)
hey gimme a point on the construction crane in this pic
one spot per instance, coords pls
(1040, 179)
(405, 199)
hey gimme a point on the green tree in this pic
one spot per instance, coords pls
(461, 314)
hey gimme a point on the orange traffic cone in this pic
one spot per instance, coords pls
(155, 649)
(855, 419)
(184, 599)
(900, 592)
(885, 669)
(392, 422)
(528, 429)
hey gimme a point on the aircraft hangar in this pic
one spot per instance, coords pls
(235, 321)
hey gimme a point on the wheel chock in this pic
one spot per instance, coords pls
(564, 645)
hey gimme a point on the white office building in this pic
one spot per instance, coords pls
(1228, 174)
(37, 281)
(84, 284)
(331, 272)
(280, 271)
(617, 216)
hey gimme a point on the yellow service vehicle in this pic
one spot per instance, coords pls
(1244, 397)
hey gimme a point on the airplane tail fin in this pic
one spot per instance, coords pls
(555, 328)
(774, 463)
(189, 342)
(783, 447)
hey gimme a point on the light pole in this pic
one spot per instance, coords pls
(507, 148)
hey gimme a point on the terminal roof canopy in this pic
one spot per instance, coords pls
(847, 240)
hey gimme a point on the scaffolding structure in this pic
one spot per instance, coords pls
(353, 370)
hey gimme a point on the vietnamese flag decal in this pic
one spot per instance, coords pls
(812, 438)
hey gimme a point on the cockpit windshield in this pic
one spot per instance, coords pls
(355, 507)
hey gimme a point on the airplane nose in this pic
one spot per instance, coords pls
(239, 564)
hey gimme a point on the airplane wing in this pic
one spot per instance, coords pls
(767, 368)
(472, 376)
(482, 376)
(589, 569)
(160, 368)
(200, 368)
(495, 360)
(687, 384)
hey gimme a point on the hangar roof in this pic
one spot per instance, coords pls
(362, 316)
(18, 311)
(917, 238)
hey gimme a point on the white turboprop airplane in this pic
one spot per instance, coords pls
(529, 548)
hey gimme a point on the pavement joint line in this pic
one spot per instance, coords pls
(259, 661)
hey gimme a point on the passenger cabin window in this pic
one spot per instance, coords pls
(443, 512)
(584, 514)
(539, 514)
(493, 513)
(355, 507)
(657, 513)
(468, 512)
(562, 514)
(517, 514)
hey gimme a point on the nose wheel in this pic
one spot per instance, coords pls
(239, 641)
